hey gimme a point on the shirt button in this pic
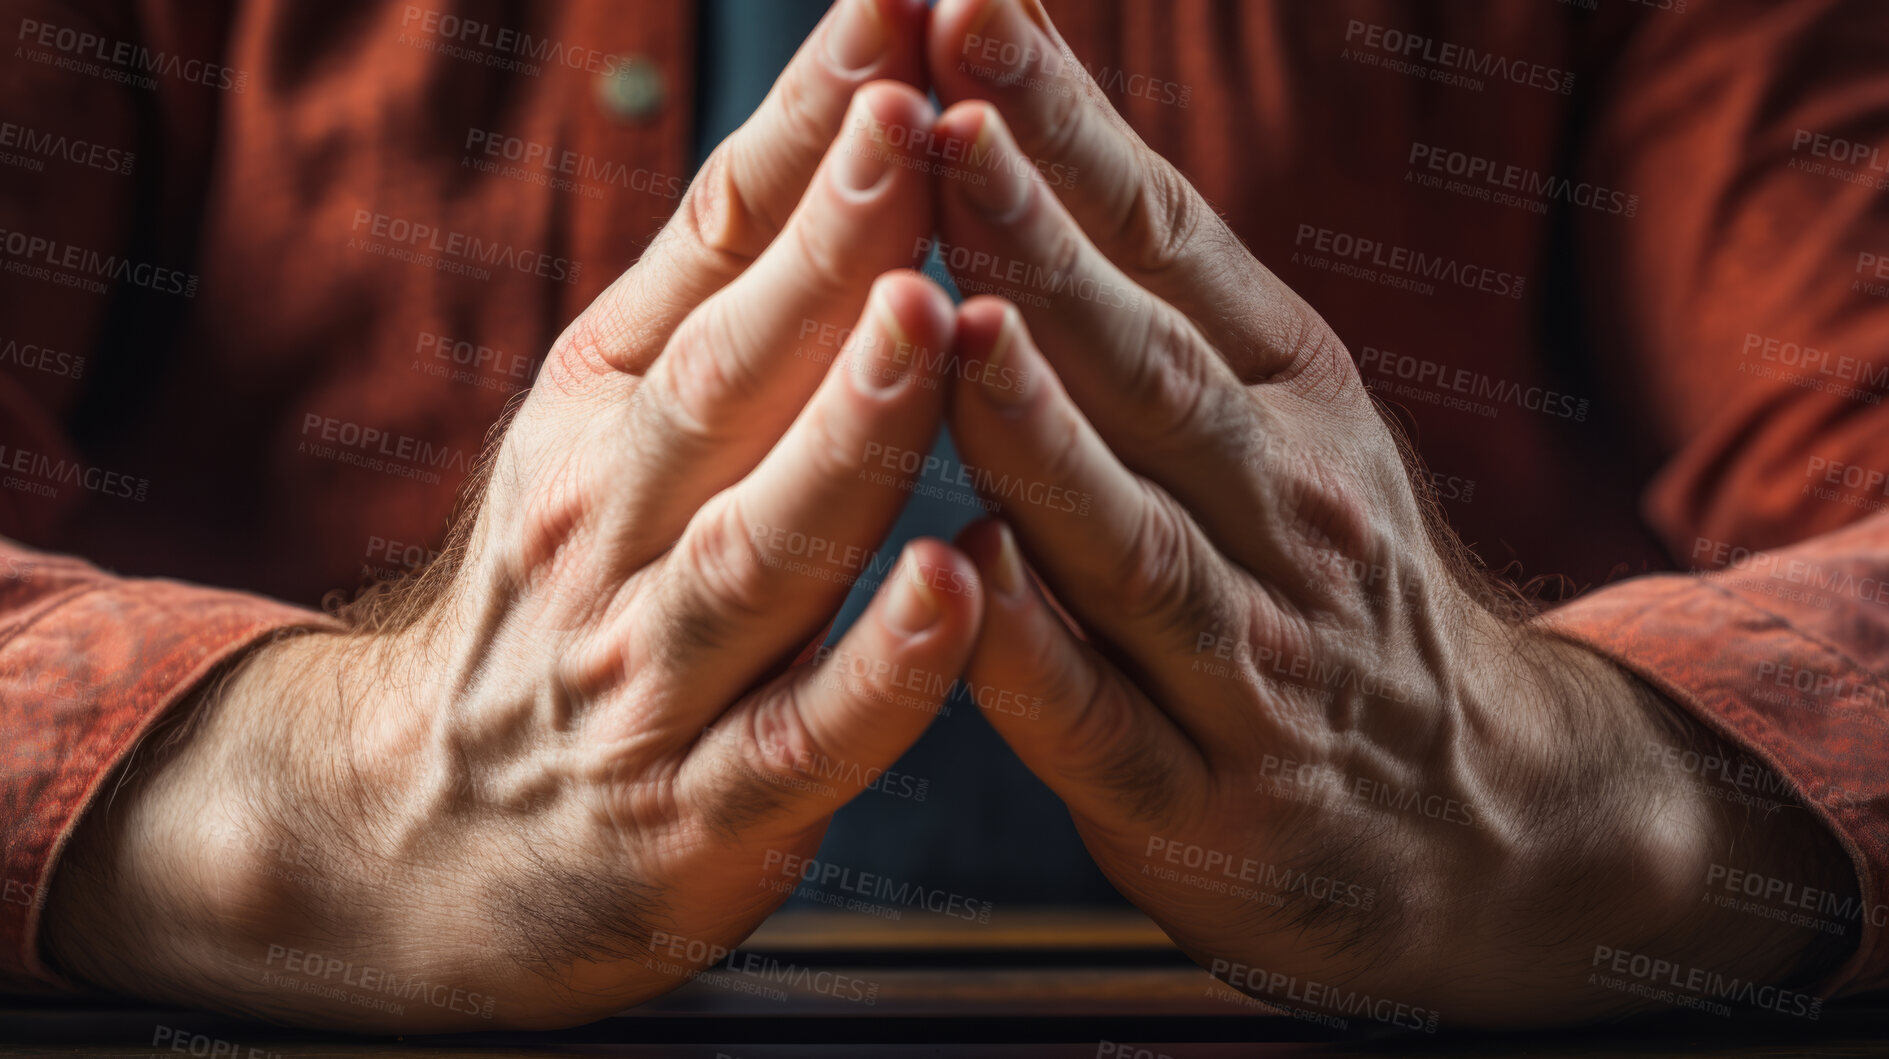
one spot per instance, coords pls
(634, 91)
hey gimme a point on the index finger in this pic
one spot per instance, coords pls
(746, 189)
(1139, 211)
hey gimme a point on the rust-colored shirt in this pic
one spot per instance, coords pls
(269, 271)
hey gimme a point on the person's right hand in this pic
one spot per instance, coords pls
(543, 786)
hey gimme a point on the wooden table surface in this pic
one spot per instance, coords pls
(1050, 983)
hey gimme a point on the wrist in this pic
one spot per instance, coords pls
(1627, 849)
(166, 878)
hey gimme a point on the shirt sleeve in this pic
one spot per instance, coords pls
(88, 661)
(1742, 318)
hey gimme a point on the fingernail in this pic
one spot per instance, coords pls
(881, 356)
(999, 178)
(1002, 43)
(867, 157)
(1005, 380)
(856, 38)
(1009, 567)
(914, 606)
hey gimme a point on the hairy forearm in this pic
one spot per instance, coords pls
(155, 888)
(1637, 851)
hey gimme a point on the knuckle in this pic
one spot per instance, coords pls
(1309, 355)
(1160, 217)
(1063, 121)
(827, 258)
(830, 454)
(800, 124)
(1063, 255)
(1067, 453)
(1107, 731)
(714, 375)
(717, 216)
(1170, 384)
(663, 428)
(852, 677)
(1155, 571)
(727, 582)
(779, 740)
(594, 346)
(763, 150)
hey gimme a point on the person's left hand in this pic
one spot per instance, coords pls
(1296, 729)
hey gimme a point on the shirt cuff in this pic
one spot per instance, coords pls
(88, 663)
(1795, 703)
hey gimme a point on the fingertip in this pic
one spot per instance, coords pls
(935, 592)
(906, 23)
(975, 128)
(978, 541)
(952, 23)
(993, 353)
(895, 102)
(992, 547)
(975, 46)
(981, 323)
(876, 37)
(980, 158)
(903, 334)
(919, 310)
(886, 124)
